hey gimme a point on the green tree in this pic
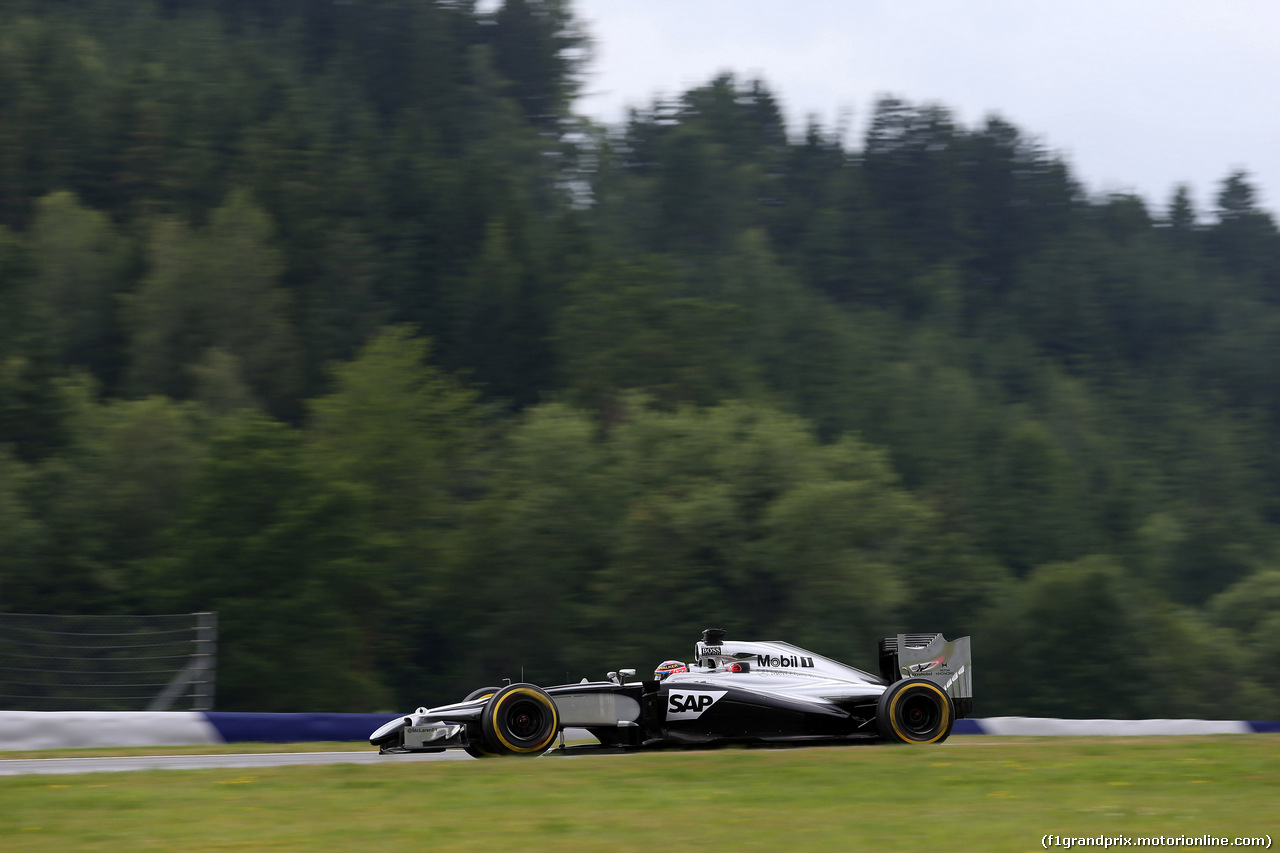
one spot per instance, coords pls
(400, 428)
(910, 162)
(799, 345)
(33, 409)
(1251, 608)
(279, 553)
(108, 497)
(1181, 217)
(400, 438)
(1033, 509)
(740, 516)
(214, 288)
(1016, 197)
(22, 537)
(51, 92)
(15, 273)
(1245, 240)
(700, 169)
(81, 260)
(1070, 618)
(634, 326)
(541, 50)
(501, 320)
(524, 600)
(1110, 644)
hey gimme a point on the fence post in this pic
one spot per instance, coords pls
(198, 674)
(206, 656)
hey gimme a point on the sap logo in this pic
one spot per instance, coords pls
(776, 661)
(692, 704)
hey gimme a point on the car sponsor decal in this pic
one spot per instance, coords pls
(779, 661)
(927, 666)
(952, 679)
(691, 704)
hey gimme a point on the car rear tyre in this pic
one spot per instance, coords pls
(915, 711)
(520, 719)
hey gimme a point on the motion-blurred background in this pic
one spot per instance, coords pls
(340, 320)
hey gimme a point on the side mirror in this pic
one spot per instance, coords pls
(627, 673)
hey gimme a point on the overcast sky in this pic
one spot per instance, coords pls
(1137, 95)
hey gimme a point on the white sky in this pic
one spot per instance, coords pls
(1137, 95)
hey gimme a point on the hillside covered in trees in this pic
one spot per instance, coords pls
(335, 319)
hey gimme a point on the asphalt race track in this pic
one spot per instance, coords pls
(22, 766)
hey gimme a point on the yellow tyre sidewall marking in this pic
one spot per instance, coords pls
(946, 711)
(537, 697)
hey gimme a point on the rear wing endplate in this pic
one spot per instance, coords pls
(947, 663)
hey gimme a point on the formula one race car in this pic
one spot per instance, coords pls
(733, 693)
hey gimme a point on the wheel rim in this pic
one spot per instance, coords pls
(525, 721)
(920, 714)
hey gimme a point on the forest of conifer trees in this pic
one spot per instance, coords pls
(336, 319)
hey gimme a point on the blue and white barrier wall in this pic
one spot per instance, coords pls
(1050, 727)
(76, 729)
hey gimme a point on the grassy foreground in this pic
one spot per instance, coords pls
(972, 793)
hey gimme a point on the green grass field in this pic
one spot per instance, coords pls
(971, 794)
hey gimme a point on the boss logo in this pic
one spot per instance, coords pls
(691, 705)
(711, 650)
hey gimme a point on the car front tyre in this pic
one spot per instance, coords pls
(520, 719)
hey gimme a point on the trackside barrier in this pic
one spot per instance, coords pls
(1038, 726)
(77, 729)
(294, 728)
(67, 729)
(74, 729)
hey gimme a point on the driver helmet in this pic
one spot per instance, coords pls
(669, 667)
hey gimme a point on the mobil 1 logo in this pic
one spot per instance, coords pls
(783, 661)
(691, 704)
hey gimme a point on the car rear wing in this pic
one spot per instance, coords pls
(947, 663)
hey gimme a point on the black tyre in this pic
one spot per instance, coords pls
(474, 749)
(520, 719)
(915, 711)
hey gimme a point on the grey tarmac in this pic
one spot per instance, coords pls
(23, 766)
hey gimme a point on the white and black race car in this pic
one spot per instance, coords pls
(733, 693)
